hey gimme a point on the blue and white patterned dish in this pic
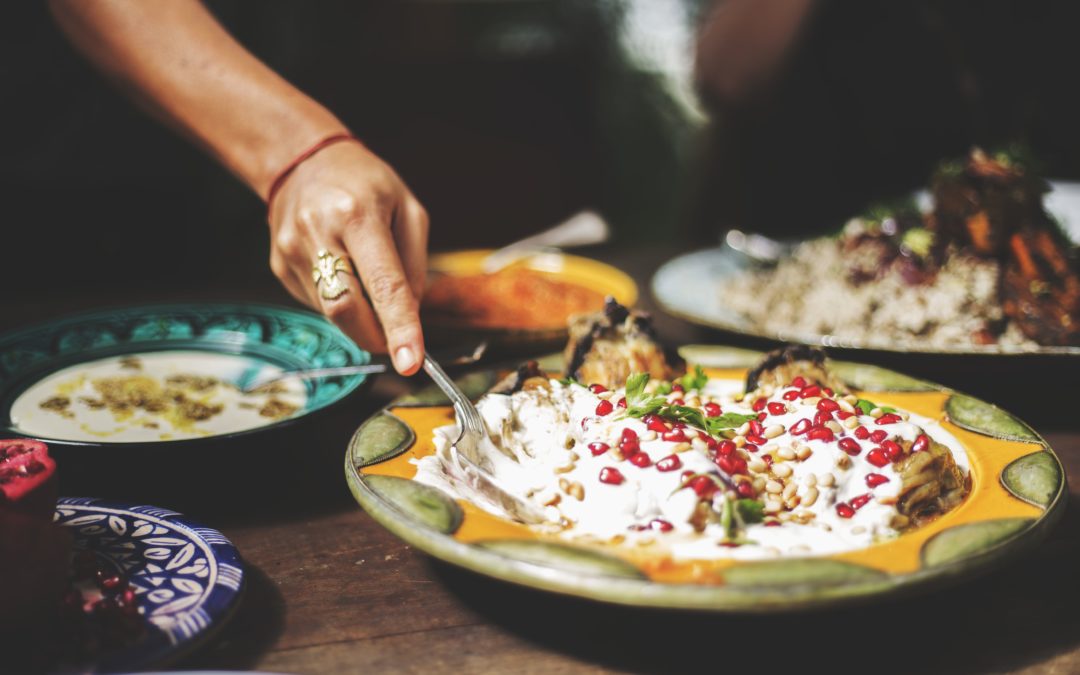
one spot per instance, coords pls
(187, 578)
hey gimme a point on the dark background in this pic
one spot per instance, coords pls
(505, 117)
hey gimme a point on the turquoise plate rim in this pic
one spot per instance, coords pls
(15, 381)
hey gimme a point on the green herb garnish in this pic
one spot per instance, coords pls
(865, 407)
(694, 381)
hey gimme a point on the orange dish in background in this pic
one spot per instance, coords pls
(515, 298)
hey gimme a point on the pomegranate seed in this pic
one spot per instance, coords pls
(685, 475)
(843, 415)
(611, 476)
(703, 486)
(844, 511)
(621, 403)
(713, 410)
(674, 436)
(821, 417)
(755, 440)
(669, 463)
(711, 442)
(604, 408)
(597, 388)
(772, 523)
(112, 583)
(661, 525)
(860, 501)
(678, 401)
(756, 428)
(828, 405)
(677, 387)
(892, 449)
(759, 404)
(877, 457)
(745, 490)
(777, 408)
(598, 448)
(725, 448)
(862, 433)
(762, 416)
(800, 427)
(799, 382)
(731, 464)
(678, 425)
(888, 418)
(879, 435)
(875, 479)
(821, 434)
(850, 446)
(641, 459)
(629, 448)
(750, 447)
(654, 423)
(828, 391)
(628, 435)
(810, 392)
(922, 442)
(704, 436)
(768, 459)
(790, 395)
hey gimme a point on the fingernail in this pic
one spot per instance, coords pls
(404, 359)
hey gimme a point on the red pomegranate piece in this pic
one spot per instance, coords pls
(27, 477)
(669, 463)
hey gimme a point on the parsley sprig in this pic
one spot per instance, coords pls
(865, 407)
(640, 403)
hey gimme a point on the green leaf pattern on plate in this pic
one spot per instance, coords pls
(711, 356)
(975, 415)
(964, 541)
(801, 572)
(381, 438)
(423, 504)
(1034, 478)
(864, 377)
(563, 557)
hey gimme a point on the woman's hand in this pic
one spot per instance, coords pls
(347, 201)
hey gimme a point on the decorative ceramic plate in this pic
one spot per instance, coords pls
(187, 578)
(1017, 493)
(162, 373)
(590, 274)
(710, 268)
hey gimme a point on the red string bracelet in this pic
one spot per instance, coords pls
(279, 180)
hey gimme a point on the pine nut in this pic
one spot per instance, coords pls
(851, 422)
(845, 406)
(698, 444)
(792, 503)
(812, 401)
(649, 436)
(774, 431)
(851, 399)
(835, 427)
(742, 431)
(810, 480)
(773, 506)
(768, 448)
(756, 465)
(739, 440)
(826, 480)
(785, 453)
(577, 491)
(789, 491)
(858, 529)
(810, 496)
(774, 487)
(759, 483)
(681, 447)
(564, 484)
(843, 461)
(782, 470)
(803, 452)
(876, 413)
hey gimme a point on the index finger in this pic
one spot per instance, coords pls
(372, 249)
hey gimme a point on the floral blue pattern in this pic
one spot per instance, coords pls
(187, 578)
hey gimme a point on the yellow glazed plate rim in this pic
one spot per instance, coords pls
(1018, 492)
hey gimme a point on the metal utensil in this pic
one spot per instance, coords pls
(581, 229)
(249, 380)
(758, 248)
(471, 433)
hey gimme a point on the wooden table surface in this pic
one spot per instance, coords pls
(329, 590)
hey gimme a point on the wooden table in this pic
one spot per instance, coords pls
(329, 590)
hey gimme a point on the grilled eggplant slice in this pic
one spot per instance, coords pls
(783, 365)
(607, 346)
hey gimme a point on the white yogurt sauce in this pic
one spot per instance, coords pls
(84, 423)
(532, 432)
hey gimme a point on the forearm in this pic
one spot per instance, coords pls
(175, 59)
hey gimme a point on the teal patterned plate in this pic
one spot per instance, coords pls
(226, 339)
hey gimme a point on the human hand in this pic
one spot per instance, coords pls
(346, 200)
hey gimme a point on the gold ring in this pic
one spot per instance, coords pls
(325, 274)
